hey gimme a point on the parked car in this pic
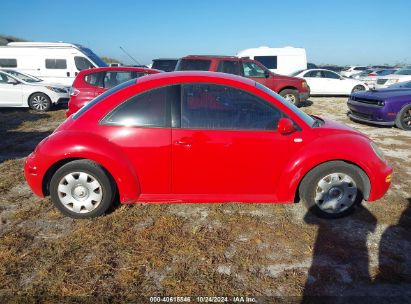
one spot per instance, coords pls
(387, 107)
(32, 79)
(55, 62)
(164, 64)
(326, 82)
(284, 61)
(203, 137)
(91, 83)
(23, 92)
(370, 77)
(352, 70)
(404, 85)
(293, 89)
(401, 75)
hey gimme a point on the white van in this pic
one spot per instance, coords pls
(285, 60)
(55, 62)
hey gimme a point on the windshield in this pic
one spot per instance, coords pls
(164, 64)
(305, 117)
(24, 77)
(90, 54)
(103, 96)
(403, 71)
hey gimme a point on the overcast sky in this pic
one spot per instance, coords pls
(339, 32)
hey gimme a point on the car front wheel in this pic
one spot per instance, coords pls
(292, 96)
(82, 189)
(333, 189)
(39, 102)
(403, 120)
(358, 88)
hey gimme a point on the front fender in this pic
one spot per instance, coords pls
(351, 148)
(71, 145)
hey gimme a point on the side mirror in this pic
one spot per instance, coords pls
(285, 126)
(266, 74)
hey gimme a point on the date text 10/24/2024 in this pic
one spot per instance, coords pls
(201, 299)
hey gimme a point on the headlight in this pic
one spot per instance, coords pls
(377, 151)
(304, 85)
(57, 90)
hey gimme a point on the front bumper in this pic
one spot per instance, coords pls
(381, 182)
(304, 96)
(371, 113)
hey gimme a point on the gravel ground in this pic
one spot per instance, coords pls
(202, 249)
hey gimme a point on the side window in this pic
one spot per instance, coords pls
(6, 79)
(115, 78)
(313, 74)
(82, 63)
(8, 63)
(56, 64)
(94, 78)
(216, 107)
(360, 68)
(270, 62)
(229, 66)
(331, 75)
(148, 109)
(250, 69)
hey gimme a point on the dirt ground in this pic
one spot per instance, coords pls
(276, 252)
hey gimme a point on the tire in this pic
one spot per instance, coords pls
(292, 96)
(82, 189)
(403, 119)
(340, 183)
(358, 88)
(39, 102)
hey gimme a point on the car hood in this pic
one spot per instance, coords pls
(330, 127)
(383, 94)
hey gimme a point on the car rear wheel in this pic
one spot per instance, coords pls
(292, 96)
(39, 102)
(82, 189)
(358, 88)
(403, 120)
(333, 189)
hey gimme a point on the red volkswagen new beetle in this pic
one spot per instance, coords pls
(203, 137)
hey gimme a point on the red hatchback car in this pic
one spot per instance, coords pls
(203, 137)
(93, 82)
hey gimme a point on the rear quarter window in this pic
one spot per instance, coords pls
(194, 65)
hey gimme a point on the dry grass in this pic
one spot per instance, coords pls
(207, 249)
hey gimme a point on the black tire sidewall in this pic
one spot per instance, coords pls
(398, 119)
(309, 184)
(92, 169)
(39, 94)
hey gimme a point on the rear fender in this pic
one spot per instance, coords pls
(97, 149)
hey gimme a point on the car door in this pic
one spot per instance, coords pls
(256, 72)
(10, 91)
(315, 81)
(57, 70)
(141, 128)
(334, 83)
(227, 144)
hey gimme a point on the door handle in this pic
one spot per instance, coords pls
(68, 74)
(183, 143)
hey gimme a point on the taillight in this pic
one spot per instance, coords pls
(372, 74)
(74, 91)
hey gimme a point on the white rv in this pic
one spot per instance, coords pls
(285, 60)
(55, 62)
